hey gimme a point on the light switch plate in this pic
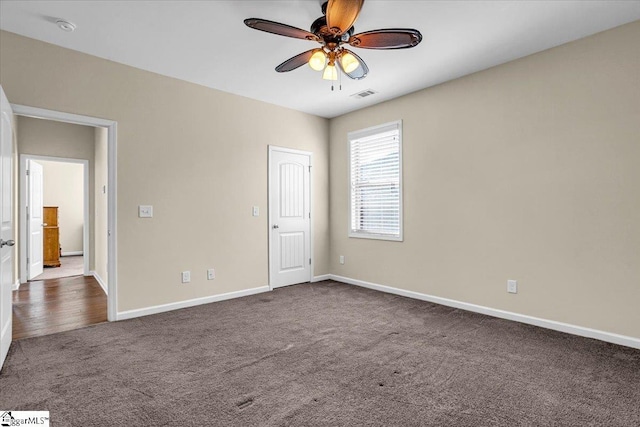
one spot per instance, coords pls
(186, 276)
(145, 211)
(256, 211)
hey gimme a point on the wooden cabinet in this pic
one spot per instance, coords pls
(51, 237)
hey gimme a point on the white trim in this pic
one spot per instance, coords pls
(100, 281)
(311, 218)
(290, 150)
(130, 314)
(112, 221)
(15, 286)
(502, 314)
(272, 148)
(321, 278)
(112, 160)
(59, 116)
(73, 253)
(23, 211)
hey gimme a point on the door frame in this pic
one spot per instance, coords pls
(271, 149)
(7, 225)
(24, 241)
(112, 138)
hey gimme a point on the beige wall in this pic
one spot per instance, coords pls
(527, 171)
(55, 139)
(198, 155)
(100, 215)
(64, 188)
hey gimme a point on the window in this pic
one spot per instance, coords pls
(375, 156)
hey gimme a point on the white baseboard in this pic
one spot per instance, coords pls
(321, 278)
(522, 318)
(100, 281)
(72, 253)
(15, 286)
(130, 314)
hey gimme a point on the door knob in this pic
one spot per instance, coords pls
(45, 224)
(276, 226)
(6, 243)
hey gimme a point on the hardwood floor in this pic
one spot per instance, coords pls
(44, 307)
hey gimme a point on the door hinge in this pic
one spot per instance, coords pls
(27, 172)
(309, 261)
(28, 261)
(309, 168)
(309, 214)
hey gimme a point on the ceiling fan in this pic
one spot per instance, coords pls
(332, 31)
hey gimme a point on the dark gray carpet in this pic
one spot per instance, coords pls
(323, 354)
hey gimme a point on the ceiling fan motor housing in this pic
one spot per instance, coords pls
(320, 28)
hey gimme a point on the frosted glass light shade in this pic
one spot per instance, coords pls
(349, 63)
(317, 60)
(330, 73)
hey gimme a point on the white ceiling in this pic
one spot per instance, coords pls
(206, 42)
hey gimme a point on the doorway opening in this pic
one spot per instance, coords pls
(101, 242)
(54, 203)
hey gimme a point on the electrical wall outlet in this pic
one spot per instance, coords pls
(211, 274)
(341, 259)
(186, 276)
(512, 286)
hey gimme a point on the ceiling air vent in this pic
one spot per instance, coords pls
(364, 93)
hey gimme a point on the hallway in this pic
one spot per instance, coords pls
(69, 266)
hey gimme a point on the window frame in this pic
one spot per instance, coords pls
(368, 133)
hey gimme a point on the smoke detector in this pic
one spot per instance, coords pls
(65, 25)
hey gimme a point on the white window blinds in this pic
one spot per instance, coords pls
(376, 182)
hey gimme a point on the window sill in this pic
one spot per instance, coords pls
(374, 236)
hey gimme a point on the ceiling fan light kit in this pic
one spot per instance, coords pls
(332, 31)
(318, 60)
(349, 62)
(330, 73)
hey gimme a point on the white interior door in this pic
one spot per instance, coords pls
(6, 225)
(289, 217)
(35, 221)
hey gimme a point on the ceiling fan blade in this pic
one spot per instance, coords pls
(279, 29)
(390, 38)
(341, 14)
(295, 62)
(360, 72)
